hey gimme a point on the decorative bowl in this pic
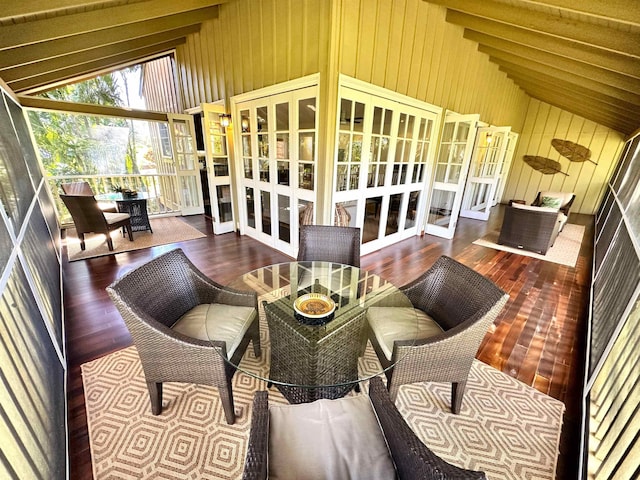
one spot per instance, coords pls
(314, 305)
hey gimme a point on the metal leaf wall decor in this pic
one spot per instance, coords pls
(544, 165)
(573, 151)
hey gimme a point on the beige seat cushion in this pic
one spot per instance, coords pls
(218, 321)
(400, 323)
(534, 208)
(327, 439)
(112, 218)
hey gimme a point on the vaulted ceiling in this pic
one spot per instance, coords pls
(580, 55)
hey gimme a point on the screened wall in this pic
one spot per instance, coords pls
(32, 390)
(612, 393)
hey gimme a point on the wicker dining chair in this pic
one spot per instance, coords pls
(355, 437)
(453, 308)
(171, 310)
(83, 188)
(329, 244)
(89, 218)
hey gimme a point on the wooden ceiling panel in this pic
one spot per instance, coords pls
(57, 47)
(579, 55)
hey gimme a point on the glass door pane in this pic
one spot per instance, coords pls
(186, 160)
(452, 164)
(217, 163)
(488, 154)
(279, 154)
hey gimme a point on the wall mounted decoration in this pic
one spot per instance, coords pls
(573, 151)
(544, 165)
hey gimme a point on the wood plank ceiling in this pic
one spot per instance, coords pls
(580, 55)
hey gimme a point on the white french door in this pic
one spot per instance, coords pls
(512, 140)
(384, 150)
(486, 162)
(452, 166)
(277, 168)
(185, 157)
(218, 174)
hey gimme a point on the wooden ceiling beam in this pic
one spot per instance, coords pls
(41, 103)
(568, 79)
(588, 34)
(512, 38)
(584, 101)
(553, 84)
(537, 60)
(613, 122)
(50, 8)
(617, 10)
(71, 74)
(63, 26)
(62, 62)
(86, 41)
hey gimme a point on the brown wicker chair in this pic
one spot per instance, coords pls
(454, 306)
(530, 228)
(83, 188)
(164, 304)
(89, 218)
(330, 244)
(390, 449)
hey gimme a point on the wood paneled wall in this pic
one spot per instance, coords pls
(588, 180)
(408, 47)
(403, 45)
(159, 86)
(254, 44)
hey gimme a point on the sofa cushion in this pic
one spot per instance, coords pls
(534, 208)
(564, 197)
(218, 321)
(551, 202)
(407, 324)
(327, 439)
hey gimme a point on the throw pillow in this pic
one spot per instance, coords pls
(551, 202)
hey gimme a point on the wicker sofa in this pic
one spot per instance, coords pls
(530, 228)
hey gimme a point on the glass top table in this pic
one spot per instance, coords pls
(311, 357)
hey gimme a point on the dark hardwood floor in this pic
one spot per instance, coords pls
(538, 338)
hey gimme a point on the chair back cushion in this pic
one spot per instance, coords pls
(217, 321)
(328, 439)
(533, 208)
(389, 324)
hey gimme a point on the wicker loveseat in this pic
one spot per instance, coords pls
(530, 228)
(353, 437)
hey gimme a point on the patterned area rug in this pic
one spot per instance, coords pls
(505, 428)
(165, 230)
(564, 251)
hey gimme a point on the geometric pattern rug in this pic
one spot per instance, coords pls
(165, 230)
(564, 250)
(505, 428)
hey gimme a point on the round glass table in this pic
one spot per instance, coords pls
(309, 351)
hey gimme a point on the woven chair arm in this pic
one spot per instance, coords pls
(413, 459)
(209, 291)
(255, 464)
